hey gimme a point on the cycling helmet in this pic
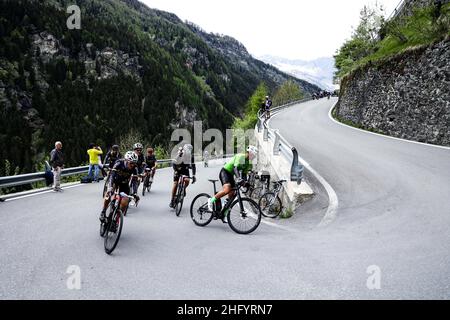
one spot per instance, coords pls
(138, 146)
(131, 156)
(115, 147)
(188, 148)
(252, 150)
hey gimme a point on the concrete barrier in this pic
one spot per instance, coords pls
(275, 158)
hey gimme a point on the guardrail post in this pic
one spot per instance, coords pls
(296, 168)
(266, 134)
(277, 144)
(259, 125)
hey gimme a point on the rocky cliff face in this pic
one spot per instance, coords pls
(407, 96)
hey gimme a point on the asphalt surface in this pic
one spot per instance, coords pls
(394, 212)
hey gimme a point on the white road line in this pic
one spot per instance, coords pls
(382, 135)
(38, 193)
(333, 201)
(272, 224)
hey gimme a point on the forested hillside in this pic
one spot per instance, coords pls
(128, 68)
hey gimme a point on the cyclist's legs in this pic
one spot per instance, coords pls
(107, 199)
(227, 190)
(228, 183)
(176, 177)
(124, 203)
(186, 183)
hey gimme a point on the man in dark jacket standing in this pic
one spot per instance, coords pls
(57, 163)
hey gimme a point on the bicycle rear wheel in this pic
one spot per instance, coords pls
(113, 231)
(199, 210)
(247, 220)
(270, 205)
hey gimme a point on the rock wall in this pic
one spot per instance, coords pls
(407, 96)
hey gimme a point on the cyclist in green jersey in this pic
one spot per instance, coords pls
(239, 166)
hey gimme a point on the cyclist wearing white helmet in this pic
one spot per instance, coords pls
(121, 174)
(238, 167)
(181, 166)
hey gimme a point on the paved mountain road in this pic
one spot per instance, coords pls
(394, 213)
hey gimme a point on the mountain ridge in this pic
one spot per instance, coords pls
(145, 65)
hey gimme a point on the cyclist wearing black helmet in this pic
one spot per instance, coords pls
(138, 150)
(112, 156)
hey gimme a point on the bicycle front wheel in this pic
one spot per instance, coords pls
(246, 218)
(179, 205)
(114, 231)
(180, 200)
(199, 210)
(270, 205)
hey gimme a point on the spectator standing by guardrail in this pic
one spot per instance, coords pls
(57, 163)
(94, 152)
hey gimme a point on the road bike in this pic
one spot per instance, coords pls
(251, 183)
(111, 229)
(260, 186)
(270, 203)
(243, 214)
(148, 181)
(180, 194)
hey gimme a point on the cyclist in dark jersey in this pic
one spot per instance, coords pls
(151, 162)
(112, 156)
(181, 166)
(138, 147)
(121, 174)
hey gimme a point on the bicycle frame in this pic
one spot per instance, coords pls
(181, 186)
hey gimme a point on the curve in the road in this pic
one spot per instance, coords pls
(330, 115)
(333, 201)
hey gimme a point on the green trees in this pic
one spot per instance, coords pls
(251, 108)
(376, 39)
(362, 42)
(288, 91)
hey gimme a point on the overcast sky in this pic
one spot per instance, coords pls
(294, 29)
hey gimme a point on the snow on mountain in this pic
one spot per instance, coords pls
(319, 71)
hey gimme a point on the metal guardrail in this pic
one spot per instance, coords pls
(397, 10)
(29, 178)
(281, 146)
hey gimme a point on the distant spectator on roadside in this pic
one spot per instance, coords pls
(94, 152)
(57, 164)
